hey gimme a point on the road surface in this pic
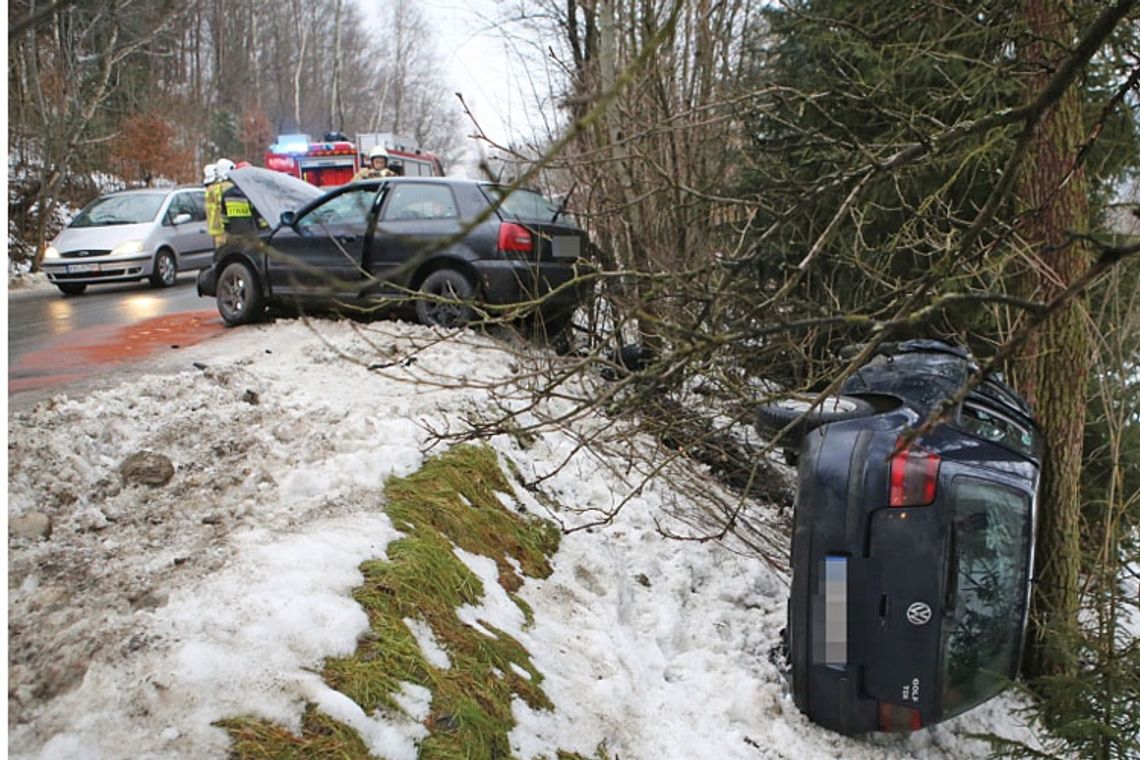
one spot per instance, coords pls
(76, 344)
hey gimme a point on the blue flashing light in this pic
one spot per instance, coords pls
(295, 144)
(290, 148)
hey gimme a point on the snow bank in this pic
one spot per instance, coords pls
(151, 613)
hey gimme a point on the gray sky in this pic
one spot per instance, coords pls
(474, 57)
(475, 60)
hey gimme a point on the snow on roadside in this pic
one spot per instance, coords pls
(150, 614)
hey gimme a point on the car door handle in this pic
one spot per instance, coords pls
(346, 238)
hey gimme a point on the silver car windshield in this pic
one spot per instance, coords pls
(134, 208)
(989, 560)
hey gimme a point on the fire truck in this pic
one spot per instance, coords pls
(324, 164)
(335, 161)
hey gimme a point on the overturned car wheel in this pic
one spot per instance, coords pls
(797, 410)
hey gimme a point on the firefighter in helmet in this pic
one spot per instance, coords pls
(377, 165)
(241, 218)
(216, 186)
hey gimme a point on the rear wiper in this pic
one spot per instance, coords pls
(951, 599)
(562, 205)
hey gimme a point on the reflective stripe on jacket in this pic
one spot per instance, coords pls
(215, 219)
(238, 207)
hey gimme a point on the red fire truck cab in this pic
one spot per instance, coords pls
(324, 164)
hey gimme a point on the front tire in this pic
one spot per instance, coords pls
(165, 270)
(240, 300)
(447, 303)
(796, 410)
(71, 288)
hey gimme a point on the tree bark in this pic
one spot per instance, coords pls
(297, 77)
(1053, 194)
(336, 111)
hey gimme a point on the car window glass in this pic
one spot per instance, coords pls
(128, 208)
(417, 201)
(988, 424)
(349, 209)
(181, 203)
(198, 203)
(523, 205)
(989, 561)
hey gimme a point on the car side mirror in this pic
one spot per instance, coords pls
(288, 218)
(181, 219)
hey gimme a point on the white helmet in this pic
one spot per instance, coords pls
(209, 174)
(377, 152)
(222, 168)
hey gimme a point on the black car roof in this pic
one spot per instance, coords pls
(924, 373)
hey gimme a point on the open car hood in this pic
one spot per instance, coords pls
(273, 193)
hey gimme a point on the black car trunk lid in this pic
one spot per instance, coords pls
(905, 604)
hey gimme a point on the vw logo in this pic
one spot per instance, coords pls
(918, 613)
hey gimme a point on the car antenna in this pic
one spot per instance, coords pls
(562, 205)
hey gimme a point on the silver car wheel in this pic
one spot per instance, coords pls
(165, 270)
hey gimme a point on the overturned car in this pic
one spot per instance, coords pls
(453, 249)
(911, 559)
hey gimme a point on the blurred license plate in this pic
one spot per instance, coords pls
(834, 644)
(81, 268)
(567, 247)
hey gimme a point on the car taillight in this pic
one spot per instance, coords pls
(898, 718)
(914, 476)
(515, 238)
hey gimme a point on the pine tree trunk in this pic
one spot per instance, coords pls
(1054, 198)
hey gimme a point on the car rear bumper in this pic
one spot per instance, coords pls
(552, 286)
(828, 572)
(105, 270)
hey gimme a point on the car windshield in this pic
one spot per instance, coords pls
(989, 560)
(349, 209)
(132, 208)
(523, 205)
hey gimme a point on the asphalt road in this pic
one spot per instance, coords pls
(76, 344)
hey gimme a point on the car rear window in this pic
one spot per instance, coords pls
(522, 205)
(989, 570)
(135, 208)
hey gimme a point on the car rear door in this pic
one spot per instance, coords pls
(416, 220)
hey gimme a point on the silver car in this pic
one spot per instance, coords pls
(132, 235)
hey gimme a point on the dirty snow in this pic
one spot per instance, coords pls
(151, 613)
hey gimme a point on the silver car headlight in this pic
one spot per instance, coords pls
(51, 253)
(129, 247)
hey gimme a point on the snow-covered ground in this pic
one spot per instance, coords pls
(152, 611)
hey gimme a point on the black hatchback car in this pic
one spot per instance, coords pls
(911, 560)
(453, 247)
